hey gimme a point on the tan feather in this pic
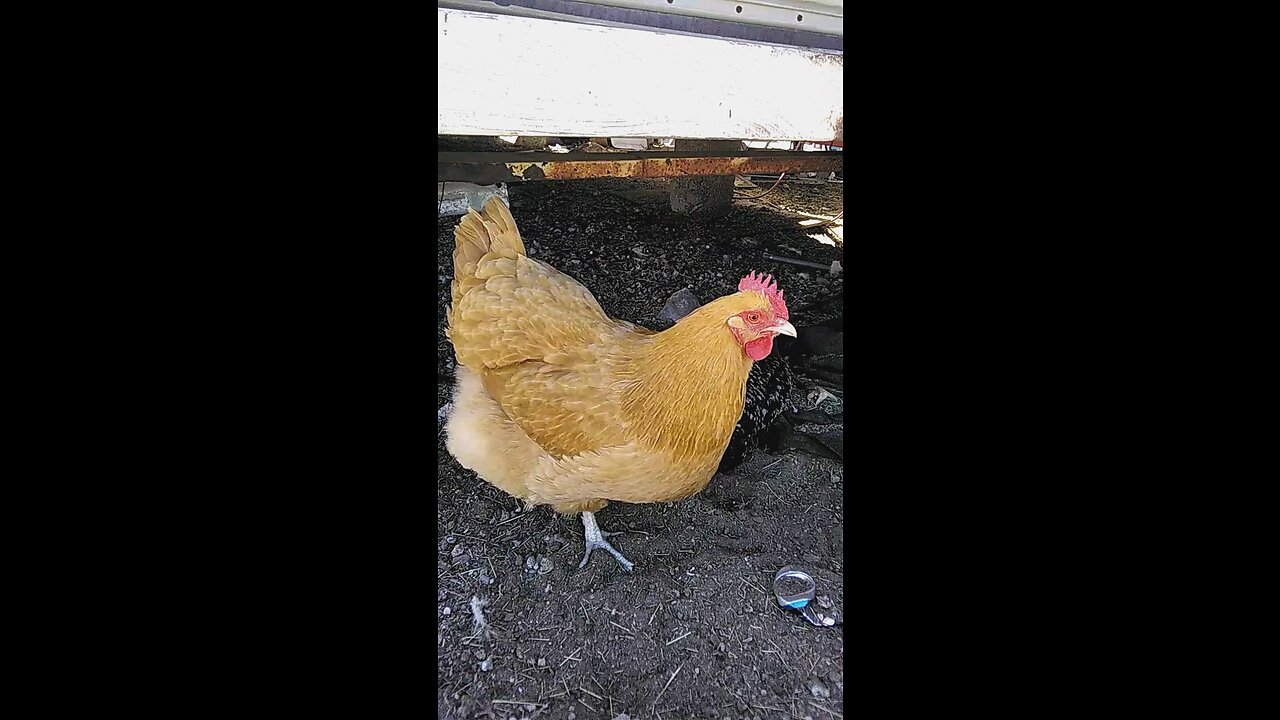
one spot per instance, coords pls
(558, 403)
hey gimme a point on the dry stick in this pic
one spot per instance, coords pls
(833, 712)
(681, 637)
(584, 702)
(619, 626)
(516, 702)
(513, 517)
(780, 655)
(771, 490)
(664, 687)
(655, 614)
(590, 693)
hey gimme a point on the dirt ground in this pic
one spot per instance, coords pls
(694, 631)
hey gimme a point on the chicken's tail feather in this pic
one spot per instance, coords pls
(493, 229)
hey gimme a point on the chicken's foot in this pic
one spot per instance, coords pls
(595, 540)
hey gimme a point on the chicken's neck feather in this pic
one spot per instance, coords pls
(687, 385)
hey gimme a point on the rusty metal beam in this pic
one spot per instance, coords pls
(486, 168)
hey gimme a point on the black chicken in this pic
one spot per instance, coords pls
(817, 353)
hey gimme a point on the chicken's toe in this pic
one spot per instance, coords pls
(595, 540)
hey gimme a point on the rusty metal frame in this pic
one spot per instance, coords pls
(489, 168)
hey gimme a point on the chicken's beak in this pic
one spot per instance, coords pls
(785, 328)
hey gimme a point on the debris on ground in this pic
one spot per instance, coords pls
(477, 614)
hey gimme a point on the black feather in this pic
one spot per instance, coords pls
(817, 352)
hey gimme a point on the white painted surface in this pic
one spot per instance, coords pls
(506, 75)
(820, 16)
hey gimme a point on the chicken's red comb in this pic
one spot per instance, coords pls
(765, 284)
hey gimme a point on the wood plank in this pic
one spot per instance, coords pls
(505, 75)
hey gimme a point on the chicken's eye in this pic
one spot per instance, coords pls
(753, 317)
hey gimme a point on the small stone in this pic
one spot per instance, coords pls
(572, 715)
(678, 305)
(545, 566)
(448, 611)
(484, 578)
(486, 666)
(746, 640)
(542, 662)
(457, 550)
(824, 601)
(451, 539)
(819, 689)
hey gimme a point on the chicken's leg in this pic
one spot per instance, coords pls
(595, 540)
